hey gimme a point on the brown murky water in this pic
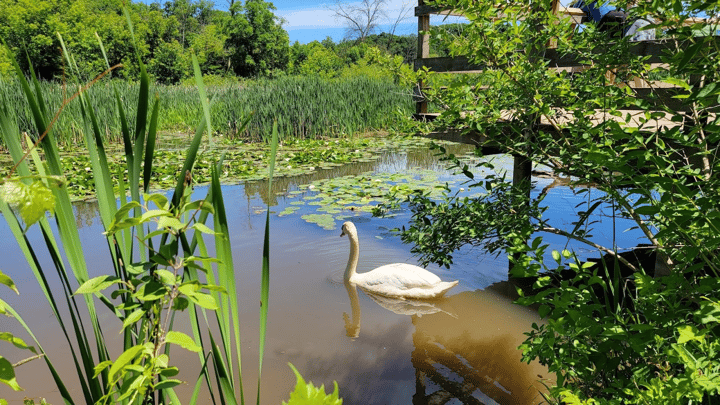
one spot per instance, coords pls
(462, 349)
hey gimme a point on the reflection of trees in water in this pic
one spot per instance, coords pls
(388, 161)
(465, 347)
(85, 213)
(473, 357)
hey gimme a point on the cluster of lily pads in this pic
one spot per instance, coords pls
(242, 161)
(326, 202)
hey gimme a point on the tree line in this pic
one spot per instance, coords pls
(247, 40)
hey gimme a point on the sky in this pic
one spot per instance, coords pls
(310, 20)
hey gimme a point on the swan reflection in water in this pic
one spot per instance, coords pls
(400, 306)
(465, 347)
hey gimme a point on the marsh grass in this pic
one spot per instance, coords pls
(303, 107)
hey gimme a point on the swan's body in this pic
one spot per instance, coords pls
(397, 280)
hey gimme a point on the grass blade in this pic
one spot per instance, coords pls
(265, 283)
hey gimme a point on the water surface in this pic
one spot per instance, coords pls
(461, 350)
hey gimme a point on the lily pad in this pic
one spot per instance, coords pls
(326, 221)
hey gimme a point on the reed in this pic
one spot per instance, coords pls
(302, 106)
(154, 267)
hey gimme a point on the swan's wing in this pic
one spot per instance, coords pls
(401, 276)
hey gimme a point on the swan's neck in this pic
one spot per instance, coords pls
(353, 259)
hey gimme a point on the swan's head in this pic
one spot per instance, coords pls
(348, 228)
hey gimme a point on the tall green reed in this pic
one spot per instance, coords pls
(174, 263)
(302, 106)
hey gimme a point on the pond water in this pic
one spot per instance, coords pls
(462, 349)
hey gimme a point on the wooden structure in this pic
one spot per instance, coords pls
(657, 92)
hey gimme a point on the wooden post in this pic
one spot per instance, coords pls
(423, 51)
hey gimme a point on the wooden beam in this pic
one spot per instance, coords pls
(654, 50)
(576, 14)
(449, 64)
(651, 49)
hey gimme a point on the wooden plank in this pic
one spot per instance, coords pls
(448, 64)
(576, 14)
(565, 118)
(652, 49)
(429, 10)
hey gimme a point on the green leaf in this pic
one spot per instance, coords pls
(308, 394)
(7, 374)
(102, 366)
(167, 277)
(170, 222)
(6, 280)
(689, 53)
(689, 333)
(96, 284)
(133, 317)
(31, 201)
(164, 384)
(151, 291)
(204, 300)
(128, 356)
(19, 343)
(203, 228)
(556, 256)
(181, 340)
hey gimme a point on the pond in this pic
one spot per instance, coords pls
(462, 349)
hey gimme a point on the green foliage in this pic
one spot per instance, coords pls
(30, 200)
(308, 394)
(615, 332)
(153, 290)
(257, 43)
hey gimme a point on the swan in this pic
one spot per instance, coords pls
(397, 280)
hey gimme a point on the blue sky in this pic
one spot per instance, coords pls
(310, 20)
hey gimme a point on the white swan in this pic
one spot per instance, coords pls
(397, 280)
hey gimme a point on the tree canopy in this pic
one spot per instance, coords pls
(248, 40)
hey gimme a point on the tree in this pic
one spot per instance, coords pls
(616, 331)
(256, 40)
(361, 18)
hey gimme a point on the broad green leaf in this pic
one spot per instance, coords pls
(556, 256)
(159, 199)
(308, 394)
(167, 277)
(151, 291)
(123, 360)
(96, 284)
(204, 300)
(167, 384)
(203, 228)
(133, 317)
(7, 374)
(181, 340)
(154, 214)
(102, 366)
(31, 201)
(689, 333)
(170, 222)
